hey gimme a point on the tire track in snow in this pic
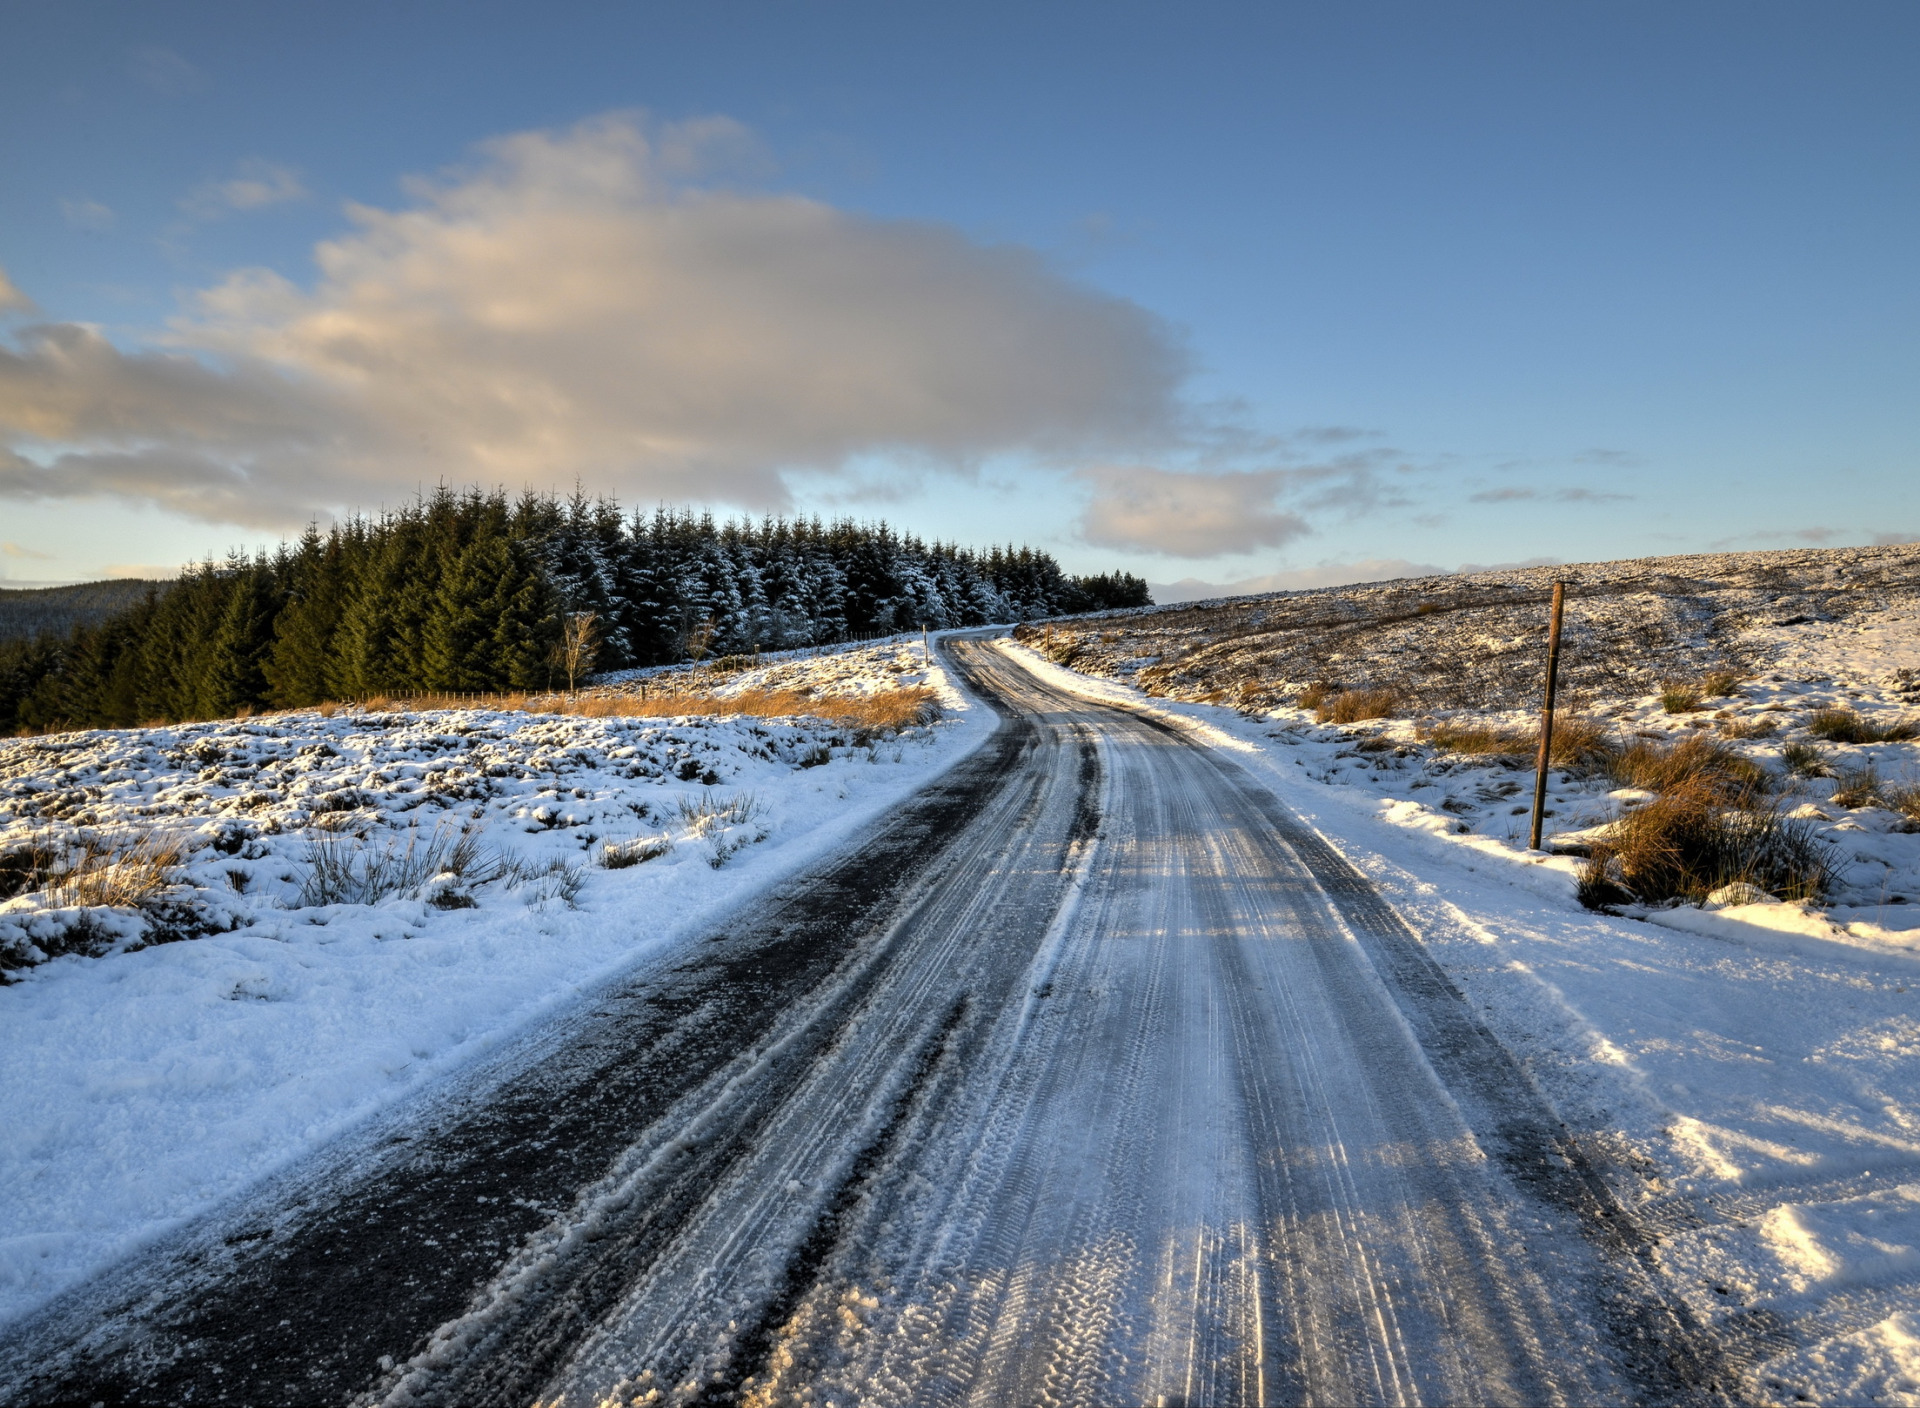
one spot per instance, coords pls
(1118, 1085)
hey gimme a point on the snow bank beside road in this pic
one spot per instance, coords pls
(145, 1086)
(1753, 1074)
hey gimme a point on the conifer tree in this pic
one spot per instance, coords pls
(235, 677)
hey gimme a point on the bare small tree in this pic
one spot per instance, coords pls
(579, 643)
(700, 638)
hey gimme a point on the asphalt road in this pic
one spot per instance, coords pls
(1090, 1076)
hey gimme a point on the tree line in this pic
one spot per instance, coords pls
(475, 592)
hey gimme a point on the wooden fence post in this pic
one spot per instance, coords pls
(1546, 719)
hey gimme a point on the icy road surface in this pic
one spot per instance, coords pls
(1090, 1077)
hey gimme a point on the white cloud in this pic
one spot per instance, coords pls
(255, 185)
(1327, 574)
(1576, 495)
(15, 550)
(570, 307)
(1187, 513)
(11, 299)
(87, 215)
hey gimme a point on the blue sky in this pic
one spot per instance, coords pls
(1215, 292)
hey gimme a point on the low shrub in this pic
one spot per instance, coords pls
(1693, 838)
(1352, 705)
(1838, 725)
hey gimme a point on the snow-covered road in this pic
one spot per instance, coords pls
(1093, 1077)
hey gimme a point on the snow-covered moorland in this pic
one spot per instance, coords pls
(318, 913)
(1752, 1069)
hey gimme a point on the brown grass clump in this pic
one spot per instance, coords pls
(1654, 767)
(1677, 697)
(1352, 705)
(1694, 838)
(1313, 696)
(1902, 797)
(116, 875)
(1580, 742)
(1719, 684)
(1859, 787)
(1477, 741)
(1749, 728)
(1845, 726)
(1805, 760)
(1577, 742)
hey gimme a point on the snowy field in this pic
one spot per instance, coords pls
(1753, 1070)
(361, 904)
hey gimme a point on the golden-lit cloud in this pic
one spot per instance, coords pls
(589, 305)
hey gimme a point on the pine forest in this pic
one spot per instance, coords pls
(474, 592)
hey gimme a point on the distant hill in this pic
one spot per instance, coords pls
(28, 612)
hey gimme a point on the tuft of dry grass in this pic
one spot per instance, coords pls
(1859, 787)
(1720, 684)
(1844, 726)
(1750, 728)
(1693, 838)
(1696, 760)
(1313, 696)
(118, 875)
(1805, 760)
(343, 869)
(619, 855)
(1678, 697)
(1478, 741)
(1902, 797)
(1578, 742)
(1350, 706)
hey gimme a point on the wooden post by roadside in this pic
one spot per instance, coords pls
(1546, 719)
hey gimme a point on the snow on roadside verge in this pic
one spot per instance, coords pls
(147, 1086)
(1756, 1089)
